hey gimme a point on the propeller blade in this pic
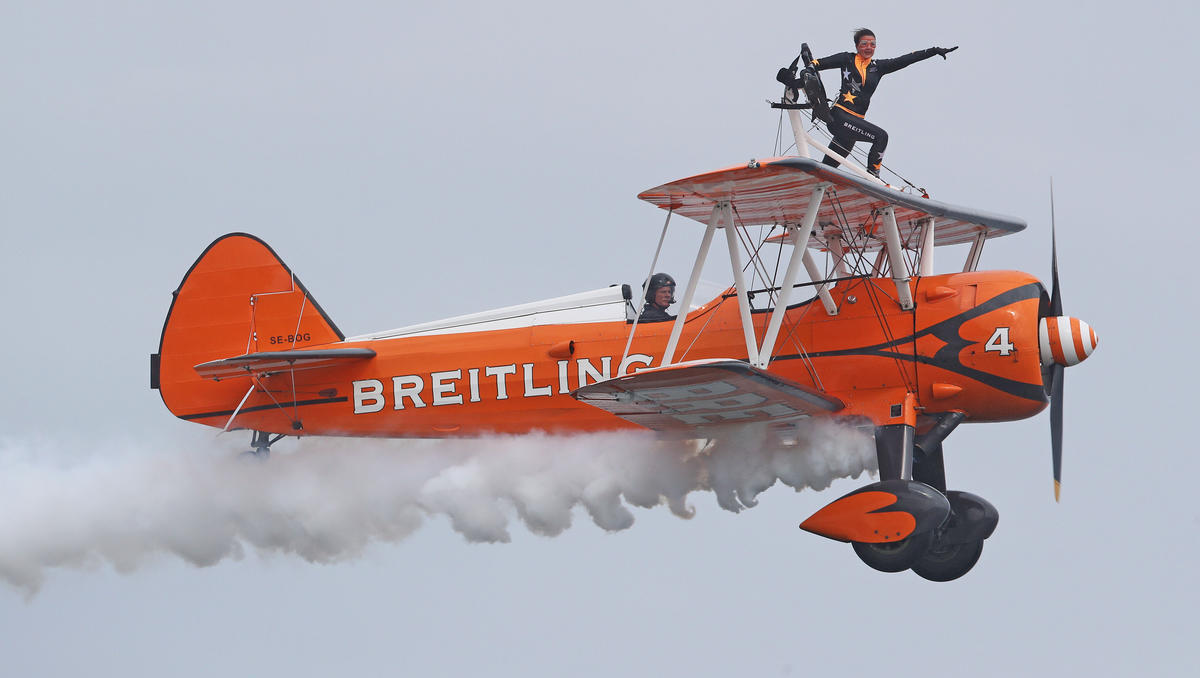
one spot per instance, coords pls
(1056, 370)
(1056, 424)
(1055, 296)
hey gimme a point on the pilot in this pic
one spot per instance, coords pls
(861, 72)
(660, 293)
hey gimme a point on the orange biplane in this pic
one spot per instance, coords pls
(880, 339)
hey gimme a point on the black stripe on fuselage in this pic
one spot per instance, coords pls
(258, 408)
(948, 331)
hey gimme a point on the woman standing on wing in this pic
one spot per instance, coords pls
(860, 76)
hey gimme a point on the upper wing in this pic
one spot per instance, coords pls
(777, 191)
(700, 395)
(268, 362)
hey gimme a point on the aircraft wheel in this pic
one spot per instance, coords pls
(947, 562)
(894, 556)
(255, 454)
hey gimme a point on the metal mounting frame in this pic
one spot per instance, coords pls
(803, 141)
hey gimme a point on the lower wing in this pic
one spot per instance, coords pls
(699, 396)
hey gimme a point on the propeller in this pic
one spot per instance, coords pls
(1055, 296)
(1056, 425)
(1063, 341)
(1056, 370)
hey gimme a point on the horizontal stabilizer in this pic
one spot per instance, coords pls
(700, 395)
(268, 362)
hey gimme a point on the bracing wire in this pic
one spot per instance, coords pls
(871, 288)
(861, 156)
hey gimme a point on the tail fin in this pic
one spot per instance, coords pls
(238, 298)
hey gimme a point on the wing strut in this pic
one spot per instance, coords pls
(814, 272)
(239, 407)
(739, 283)
(693, 280)
(927, 240)
(645, 289)
(799, 254)
(838, 250)
(896, 258)
(976, 252)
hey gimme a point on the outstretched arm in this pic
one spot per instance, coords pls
(892, 65)
(833, 61)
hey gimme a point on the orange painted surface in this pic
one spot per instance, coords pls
(240, 298)
(1056, 343)
(851, 519)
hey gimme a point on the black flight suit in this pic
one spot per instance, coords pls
(859, 79)
(654, 314)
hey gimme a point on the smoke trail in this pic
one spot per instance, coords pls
(327, 499)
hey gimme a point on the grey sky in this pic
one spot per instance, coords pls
(416, 163)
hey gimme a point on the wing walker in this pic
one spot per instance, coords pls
(861, 325)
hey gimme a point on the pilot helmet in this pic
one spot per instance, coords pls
(656, 281)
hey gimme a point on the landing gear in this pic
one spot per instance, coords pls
(260, 444)
(895, 556)
(944, 553)
(908, 520)
(947, 562)
(958, 544)
(951, 549)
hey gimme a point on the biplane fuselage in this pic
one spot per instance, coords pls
(517, 380)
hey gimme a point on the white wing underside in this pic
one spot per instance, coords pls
(700, 397)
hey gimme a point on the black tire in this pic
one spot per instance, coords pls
(895, 556)
(947, 562)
